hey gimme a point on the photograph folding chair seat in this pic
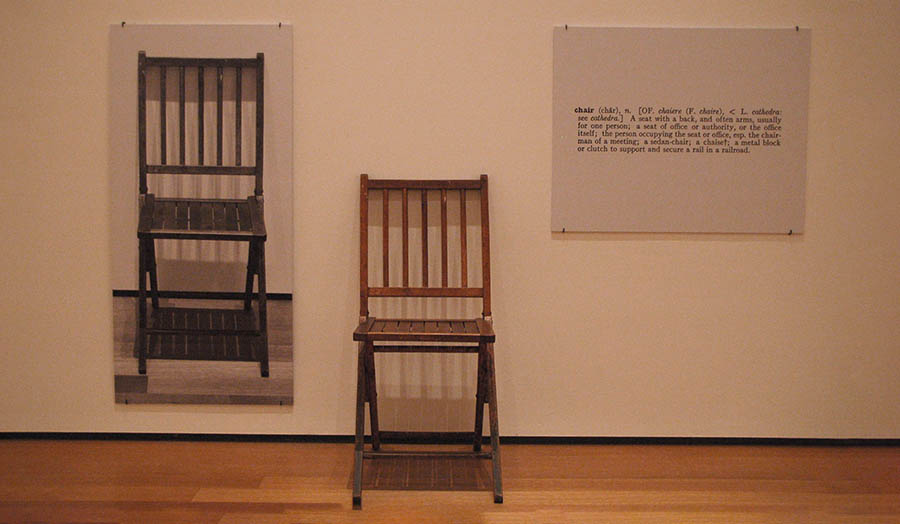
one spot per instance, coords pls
(424, 335)
(200, 333)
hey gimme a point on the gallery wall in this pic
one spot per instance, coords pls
(597, 334)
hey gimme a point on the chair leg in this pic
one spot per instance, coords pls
(479, 400)
(251, 271)
(151, 265)
(263, 321)
(142, 308)
(372, 395)
(495, 426)
(360, 425)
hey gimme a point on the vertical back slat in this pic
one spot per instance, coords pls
(424, 238)
(237, 116)
(485, 249)
(405, 237)
(219, 116)
(162, 114)
(142, 123)
(384, 237)
(181, 115)
(364, 246)
(260, 112)
(200, 97)
(443, 238)
(464, 277)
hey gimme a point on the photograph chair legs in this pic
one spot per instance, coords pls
(202, 333)
(365, 392)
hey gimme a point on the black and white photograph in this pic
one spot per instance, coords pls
(200, 148)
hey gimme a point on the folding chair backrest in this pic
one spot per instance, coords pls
(415, 194)
(189, 134)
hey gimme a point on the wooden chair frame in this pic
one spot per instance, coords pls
(225, 334)
(424, 335)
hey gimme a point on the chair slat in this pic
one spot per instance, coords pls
(159, 215)
(450, 330)
(231, 221)
(237, 116)
(407, 348)
(464, 276)
(201, 170)
(200, 97)
(162, 115)
(230, 346)
(423, 184)
(169, 218)
(204, 319)
(385, 255)
(405, 237)
(243, 212)
(218, 216)
(181, 215)
(194, 215)
(219, 116)
(206, 216)
(181, 115)
(425, 291)
(443, 238)
(424, 237)
(159, 61)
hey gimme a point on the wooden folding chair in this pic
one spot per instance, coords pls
(424, 335)
(200, 333)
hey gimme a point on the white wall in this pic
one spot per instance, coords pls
(656, 335)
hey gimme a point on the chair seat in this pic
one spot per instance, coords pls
(201, 219)
(424, 330)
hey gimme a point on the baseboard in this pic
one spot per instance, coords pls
(201, 295)
(530, 440)
(705, 441)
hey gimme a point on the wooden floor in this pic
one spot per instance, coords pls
(50, 481)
